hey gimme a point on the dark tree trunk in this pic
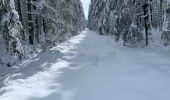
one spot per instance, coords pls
(30, 23)
(44, 26)
(146, 19)
(19, 10)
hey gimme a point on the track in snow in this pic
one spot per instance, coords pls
(91, 67)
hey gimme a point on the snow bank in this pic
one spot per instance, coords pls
(91, 67)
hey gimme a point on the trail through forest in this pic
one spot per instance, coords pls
(91, 67)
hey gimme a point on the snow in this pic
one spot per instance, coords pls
(91, 67)
(86, 4)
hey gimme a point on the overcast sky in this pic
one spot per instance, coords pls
(86, 6)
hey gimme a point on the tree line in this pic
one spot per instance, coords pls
(131, 21)
(29, 24)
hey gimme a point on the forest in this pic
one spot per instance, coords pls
(31, 26)
(132, 21)
(84, 49)
(28, 26)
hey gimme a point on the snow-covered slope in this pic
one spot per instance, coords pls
(91, 67)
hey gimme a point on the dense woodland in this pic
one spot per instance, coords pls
(134, 22)
(30, 26)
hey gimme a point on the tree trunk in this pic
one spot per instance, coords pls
(161, 14)
(30, 23)
(146, 19)
(19, 10)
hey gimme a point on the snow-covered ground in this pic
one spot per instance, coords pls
(91, 67)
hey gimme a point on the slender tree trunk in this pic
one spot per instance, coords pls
(30, 23)
(44, 26)
(150, 13)
(19, 10)
(161, 14)
(146, 18)
(37, 28)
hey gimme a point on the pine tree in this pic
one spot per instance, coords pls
(11, 29)
(166, 26)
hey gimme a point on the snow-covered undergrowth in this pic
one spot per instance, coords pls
(91, 67)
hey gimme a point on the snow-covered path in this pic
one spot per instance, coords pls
(91, 67)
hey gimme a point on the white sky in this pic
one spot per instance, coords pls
(86, 6)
